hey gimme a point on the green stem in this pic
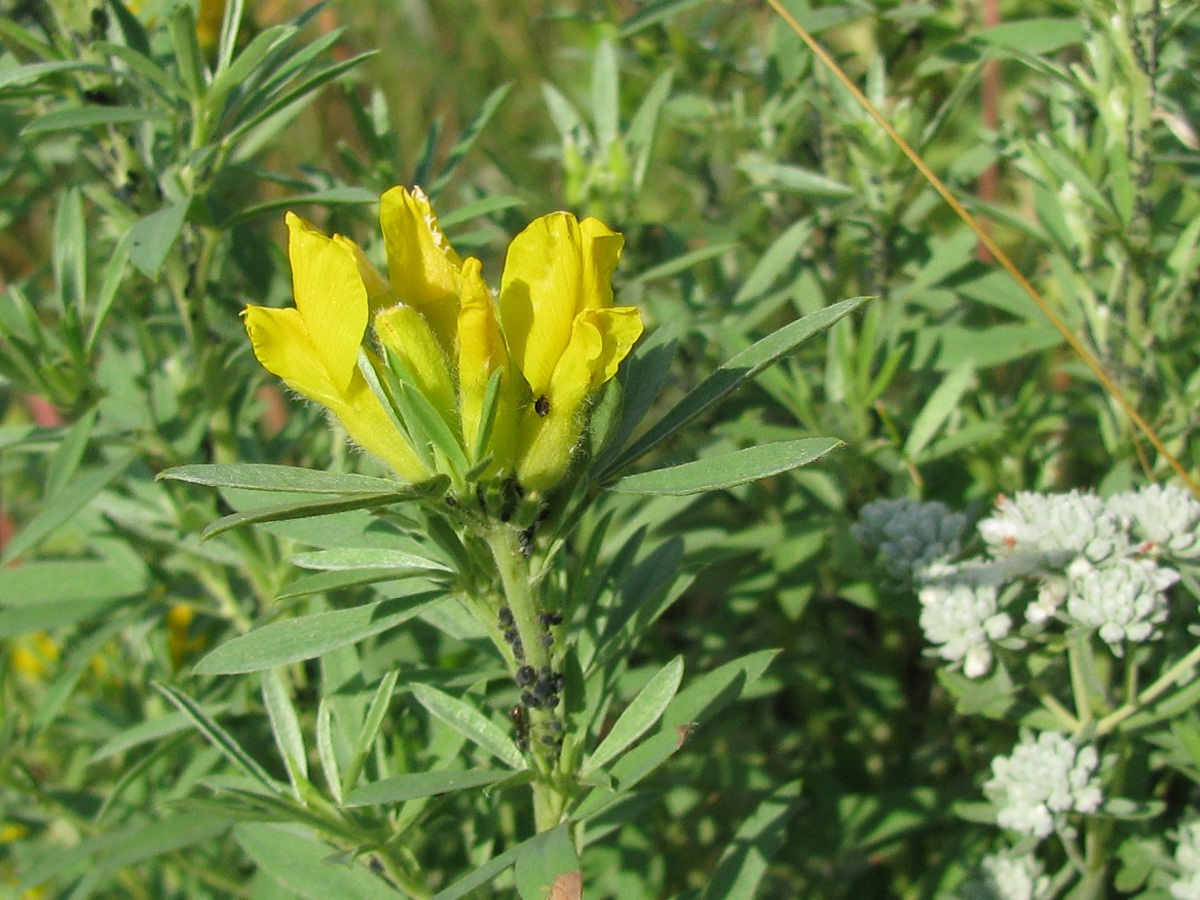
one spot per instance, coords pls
(1076, 647)
(549, 801)
(1150, 694)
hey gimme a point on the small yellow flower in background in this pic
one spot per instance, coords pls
(180, 641)
(552, 340)
(34, 655)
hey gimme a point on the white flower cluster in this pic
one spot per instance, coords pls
(1167, 517)
(1036, 531)
(961, 619)
(1042, 781)
(1094, 563)
(1187, 858)
(909, 534)
(1124, 601)
(1011, 876)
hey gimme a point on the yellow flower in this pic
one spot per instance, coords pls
(315, 346)
(552, 340)
(34, 655)
(563, 333)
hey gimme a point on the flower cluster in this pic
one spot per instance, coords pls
(1187, 858)
(1087, 562)
(1123, 601)
(909, 534)
(1042, 781)
(1033, 531)
(961, 618)
(1011, 876)
(1166, 517)
(455, 380)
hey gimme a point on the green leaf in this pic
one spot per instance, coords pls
(467, 140)
(189, 59)
(336, 580)
(775, 262)
(987, 347)
(110, 283)
(329, 197)
(422, 784)
(301, 865)
(370, 729)
(62, 508)
(153, 236)
(34, 71)
(543, 861)
(606, 94)
(367, 558)
(733, 373)
(783, 177)
(41, 582)
(286, 727)
(1032, 37)
(483, 874)
(80, 117)
(729, 470)
(941, 404)
(683, 262)
(325, 752)
(305, 510)
(653, 13)
(645, 710)
(65, 460)
(47, 616)
(258, 477)
(470, 723)
(217, 736)
(293, 640)
(744, 862)
(70, 252)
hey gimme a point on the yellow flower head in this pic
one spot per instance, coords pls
(563, 332)
(315, 346)
(549, 344)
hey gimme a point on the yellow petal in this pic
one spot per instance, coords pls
(423, 267)
(540, 293)
(330, 296)
(379, 291)
(282, 344)
(405, 331)
(619, 327)
(601, 251)
(481, 352)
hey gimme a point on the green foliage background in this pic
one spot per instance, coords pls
(140, 214)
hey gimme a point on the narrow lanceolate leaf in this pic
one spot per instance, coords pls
(547, 866)
(645, 710)
(257, 477)
(293, 640)
(286, 727)
(742, 866)
(218, 736)
(306, 510)
(366, 558)
(422, 784)
(729, 470)
(300, 865)
(65, 504)
(735, 372)
(470, 723)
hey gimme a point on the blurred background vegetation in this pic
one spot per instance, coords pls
(751, 190)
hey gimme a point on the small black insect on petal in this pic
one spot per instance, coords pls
(506, 617)
(541, 406)
(525, 676)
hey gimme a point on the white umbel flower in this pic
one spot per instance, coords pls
(961, 619)
(1042, 781)
(1187, 858)
(1124, 601)
(1168, 517)
(1011, 876)
(1033, 531)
